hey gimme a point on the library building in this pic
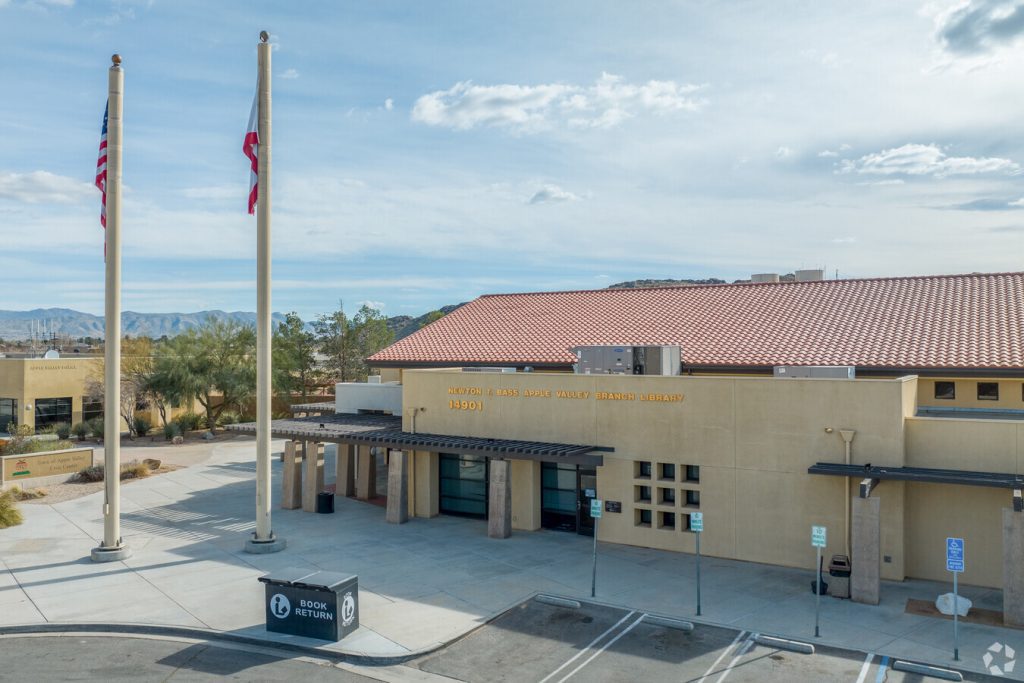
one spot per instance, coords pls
(888, 410)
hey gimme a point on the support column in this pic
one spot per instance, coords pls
(1013, 567)
(366, 474)
(291, 476)
(312, 475)
(398, 487)
(499, 506)
(346, 470)
(866, 548)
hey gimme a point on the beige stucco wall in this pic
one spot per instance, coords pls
(29, 379)
(753, 438)
(1011, 393)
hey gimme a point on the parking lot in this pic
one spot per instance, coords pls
(549, 644)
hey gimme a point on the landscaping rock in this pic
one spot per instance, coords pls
(178, 440)
(944, 603)
(151, 463)
(209, 436)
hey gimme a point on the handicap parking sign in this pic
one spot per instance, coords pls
(954, 554)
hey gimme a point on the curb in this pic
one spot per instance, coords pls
(212, 636)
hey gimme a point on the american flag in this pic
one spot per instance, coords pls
(250, 147)
(101, 167)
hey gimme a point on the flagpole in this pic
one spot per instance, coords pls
(113, 547)
(263, 539)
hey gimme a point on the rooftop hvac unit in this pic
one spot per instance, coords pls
(816, 371)
(488, 369)
(627, 360)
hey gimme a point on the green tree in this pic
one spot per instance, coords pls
(346, 343)
(294, 361)
(136, 371)
(431, 317)
(214, 364)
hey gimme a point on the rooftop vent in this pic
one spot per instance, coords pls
(810, 275)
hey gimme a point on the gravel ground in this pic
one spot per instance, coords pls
(58, 493)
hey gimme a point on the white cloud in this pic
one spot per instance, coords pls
(784, 152)
(290, 74)
(44, 187)
(979, 27)
(844, 240)
(379, 305)
(826, 153)
(1017, 202)
(921, 160)
(552, 193)
(530, 108)
(389, 104)
(884, 183)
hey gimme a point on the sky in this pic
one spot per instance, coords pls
(427, 153)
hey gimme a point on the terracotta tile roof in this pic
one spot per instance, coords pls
(945, 321)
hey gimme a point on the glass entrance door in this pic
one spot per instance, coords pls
(587, 492)
(463, 485)
(558, 496)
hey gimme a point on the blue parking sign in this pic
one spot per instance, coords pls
(954, 554)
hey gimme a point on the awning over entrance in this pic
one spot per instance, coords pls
(922, 474)
(386, 431)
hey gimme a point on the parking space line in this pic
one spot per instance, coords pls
(603, 648)
(722, 656)
(744, 649)
(594, 642)
(881, 670)
(865, 667)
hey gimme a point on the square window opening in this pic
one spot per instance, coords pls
(643, 469)
(693, 498)
(668, 471)
(988, 391)
(945, 391)
(668, 520)
(643, 494)
(667, 496)
(643, 518)
(693, 473)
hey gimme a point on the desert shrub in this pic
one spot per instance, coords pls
(228, 419)
(10, 515)
(80, 430)
(96, 426)
(171, 430)
(22, 442)
(48, 429)
(188, 422)
(142, 425)
(129, 470)
(63, 430)
(26, 494)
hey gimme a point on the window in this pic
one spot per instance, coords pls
(643, 493)
(668, 471)
(945, 390)
(693, 498)
(91, 408)
(51, 411)
(8, 412)
(643, 517)
(643, 469)
(463, 485)
(988, 391)
(558, 496)
(693, 473)
(686, 522)
(668, 520)
(667, 496)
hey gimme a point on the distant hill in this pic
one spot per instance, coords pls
(64, 321)
(640, 284)
(404, 325)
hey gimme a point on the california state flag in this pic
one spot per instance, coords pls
(250, 146)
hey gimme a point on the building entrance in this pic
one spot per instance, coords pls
(463, 485)
(566, 491)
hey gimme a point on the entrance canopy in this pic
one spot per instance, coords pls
(922, 474)
(386, 431)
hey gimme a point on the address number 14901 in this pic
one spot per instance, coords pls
(456, 404)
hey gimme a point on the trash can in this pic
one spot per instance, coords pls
(839, 576)
(325, 502)
(323, 605)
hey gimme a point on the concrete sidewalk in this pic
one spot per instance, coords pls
(421, 584)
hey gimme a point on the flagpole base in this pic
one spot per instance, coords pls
(114, 554)
(264, 547)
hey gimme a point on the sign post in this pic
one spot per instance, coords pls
(596, 508)
(955, 564)
(819, 539)
(697, 526)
